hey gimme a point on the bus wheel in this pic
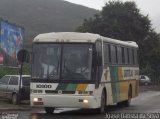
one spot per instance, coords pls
(128, 102)
(49, 110)
(101, 110)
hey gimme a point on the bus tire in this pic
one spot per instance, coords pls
(49, 110)
(102, 108)
(128, 102)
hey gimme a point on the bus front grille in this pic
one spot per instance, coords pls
(57, 92)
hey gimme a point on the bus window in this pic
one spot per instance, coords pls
(113, 54)
(76, 62)
(119, 50)
(106, 54)
(109, 52)
(126, 56)
(116, 54)
(46, 61)
(123, 56)
(130, 56)
(133, 56)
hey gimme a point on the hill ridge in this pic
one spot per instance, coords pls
(41, 16)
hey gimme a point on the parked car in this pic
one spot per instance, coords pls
(10, 88)
(144, 80)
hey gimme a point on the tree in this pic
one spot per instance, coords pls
(123, 21)
(119, 20)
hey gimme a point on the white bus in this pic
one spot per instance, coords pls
(82, 70)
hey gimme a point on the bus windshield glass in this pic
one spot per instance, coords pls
(62, 61)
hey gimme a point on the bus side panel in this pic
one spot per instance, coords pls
(129, 78)
(134, 82)
(118, 80)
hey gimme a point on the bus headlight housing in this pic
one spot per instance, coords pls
(37, 99)
(85, 101)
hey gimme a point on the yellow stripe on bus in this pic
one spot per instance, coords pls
(122, 85)
(120, 73)
(81, 87)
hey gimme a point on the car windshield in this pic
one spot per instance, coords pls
(62, 61)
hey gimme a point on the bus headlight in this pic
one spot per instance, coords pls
(85, 101)
(35, 99)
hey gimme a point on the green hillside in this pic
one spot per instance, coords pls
(41, 16)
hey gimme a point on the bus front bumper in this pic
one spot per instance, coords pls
(64, 101)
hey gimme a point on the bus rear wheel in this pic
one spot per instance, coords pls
(128, 102)
(49, 110)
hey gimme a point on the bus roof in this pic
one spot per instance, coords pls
(78, 37)
(66, 36)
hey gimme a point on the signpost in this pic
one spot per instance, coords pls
(22, 56)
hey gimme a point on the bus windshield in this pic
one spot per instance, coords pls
(62, 61)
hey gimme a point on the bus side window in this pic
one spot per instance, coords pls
(116, 55)
(126, 56)
(119, 51)
(135, 57)
(130, 56)
(113, 54)
(106, 55)
(109, 53)
(123, 55)
(128, 59)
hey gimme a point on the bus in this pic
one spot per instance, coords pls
(82, 70)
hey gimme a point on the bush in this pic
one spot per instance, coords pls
(15, 71)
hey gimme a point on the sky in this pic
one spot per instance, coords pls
(150, 7)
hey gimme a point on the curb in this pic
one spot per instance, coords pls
(5, 105)
(14, 109)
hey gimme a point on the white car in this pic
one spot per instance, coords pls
(144, 80)
(10, 88)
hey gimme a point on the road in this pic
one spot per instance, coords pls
(146, 102)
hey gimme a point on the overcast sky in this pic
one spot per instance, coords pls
(150, 7)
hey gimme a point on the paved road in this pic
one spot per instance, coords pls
(146, 102)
